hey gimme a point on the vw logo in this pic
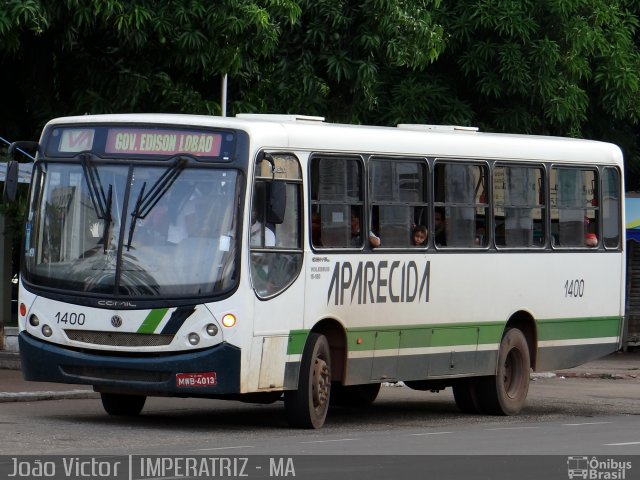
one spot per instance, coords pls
(116, 321)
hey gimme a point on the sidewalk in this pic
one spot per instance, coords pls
(13, 388)
(617, 366)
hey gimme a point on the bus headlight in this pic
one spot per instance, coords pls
(46, 331)
(212, 330)
(229, 320)
(34, 321)
(194, 338)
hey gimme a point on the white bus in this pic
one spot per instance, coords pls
(268, 256)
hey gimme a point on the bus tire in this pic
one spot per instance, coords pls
(506, 392)
(354, 395)
(122, 405)
(465, 393)
(307, 406)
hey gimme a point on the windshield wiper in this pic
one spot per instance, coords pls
(101, 202)
(106, 238)
(146, 202)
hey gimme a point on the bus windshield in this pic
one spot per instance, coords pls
(132, 230)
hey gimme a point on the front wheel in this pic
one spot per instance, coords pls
(506, 392)
(122, 405)
(307, 406)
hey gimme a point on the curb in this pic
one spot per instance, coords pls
(9, 360)
(6, 397)
(599, 376)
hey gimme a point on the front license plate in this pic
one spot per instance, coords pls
(205, 379)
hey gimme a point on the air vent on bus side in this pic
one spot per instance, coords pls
(436, 128)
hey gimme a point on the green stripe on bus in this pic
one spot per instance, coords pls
(566, 328)
(153, 320)
(297, 339)
(450, 334)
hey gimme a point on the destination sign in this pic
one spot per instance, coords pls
(164, 142)
(141, 141)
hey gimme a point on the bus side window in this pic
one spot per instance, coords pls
(460, 193)
(575, 210)
(275, 227)
(336, 193)
(519, 207)
(398, 198)
(611, 207)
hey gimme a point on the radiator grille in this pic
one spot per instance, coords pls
(118, 339)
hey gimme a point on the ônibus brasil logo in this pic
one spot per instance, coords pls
(593, 468)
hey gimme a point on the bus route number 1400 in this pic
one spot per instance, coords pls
(70, 318)
(574, 288)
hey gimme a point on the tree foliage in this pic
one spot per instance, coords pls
(98, 56)
(559, 67)
(336, 59)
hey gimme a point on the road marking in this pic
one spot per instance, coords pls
(580, 424)
(511, 428)
(223, 448)
(429, 433)
(337, 440)
(620, 444)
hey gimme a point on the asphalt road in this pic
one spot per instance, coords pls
(564, 416)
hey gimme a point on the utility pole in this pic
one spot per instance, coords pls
(223, 102)
(5, 279)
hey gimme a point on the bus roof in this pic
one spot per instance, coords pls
(310, 133)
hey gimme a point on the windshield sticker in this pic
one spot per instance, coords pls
(168, 142)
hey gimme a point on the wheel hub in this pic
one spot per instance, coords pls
(320, 385)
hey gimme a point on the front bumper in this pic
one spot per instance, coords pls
(140, 374)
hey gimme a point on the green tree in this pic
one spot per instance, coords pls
(337, 58)
(99, 56)
(559, 67)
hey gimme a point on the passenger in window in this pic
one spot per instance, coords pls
(591, 240)
(419, 236)
(481, 233)
(182, 212)
(262, 234)
(356, 238)
(439, 225)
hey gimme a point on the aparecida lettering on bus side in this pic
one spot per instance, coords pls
(379, 282)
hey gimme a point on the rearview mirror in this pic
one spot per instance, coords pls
(277, 201)
(10, 182)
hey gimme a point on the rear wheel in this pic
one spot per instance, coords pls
(122, 405)
(354, 395)
(506, 392)
(465, 393)
(307, 406)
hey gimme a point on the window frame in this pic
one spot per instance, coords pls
(425, 203)
(596, 169)
(543, 193)
(619, 206)
(316, 204)
(484, 164)
(275, 251)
